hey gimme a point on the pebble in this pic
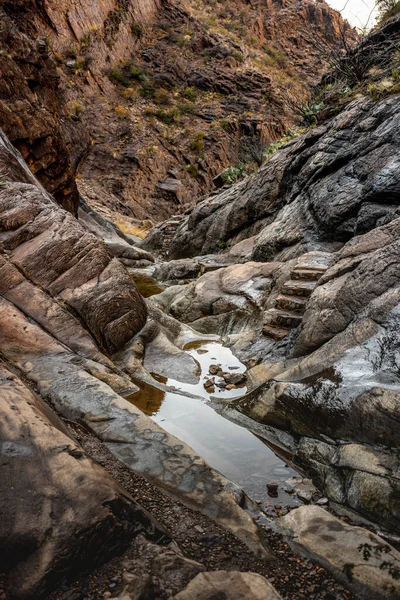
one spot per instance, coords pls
(322, 501)
(272, 489)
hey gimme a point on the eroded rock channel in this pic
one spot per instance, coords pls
(220, 397)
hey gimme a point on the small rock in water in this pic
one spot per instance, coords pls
(272, 489)
(235, 378)
(202, 351)
(213, 369)
(322, 501)
(209, 386)
(231, 386)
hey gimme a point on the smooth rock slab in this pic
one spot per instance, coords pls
(59, 511)
(228, 585)
(358, 558)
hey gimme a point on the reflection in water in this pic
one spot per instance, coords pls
(226, 446)
(146, 285)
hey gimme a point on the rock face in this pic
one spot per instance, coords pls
(157, 98)
(359, 558)
(324, 209)
(337, 181)
(60, 513)
(69, 314)
(228, 299)
(32, 105)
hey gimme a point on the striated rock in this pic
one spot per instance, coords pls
(360, 559)
(60, 512)
(32, 106)
(230, 585)
(54, 252)
(63, 298)
(315, 190)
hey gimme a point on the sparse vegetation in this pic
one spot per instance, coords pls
(387, 9)
(197, 144)
(192, 170)
(75, 109)
(165, 116)
(137, 30)
(190, 93)
(232, 174)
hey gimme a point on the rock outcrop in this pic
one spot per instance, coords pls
(152, 100)
(357, 556)
(67, 307)
(232, 585)
(325, 210)
(336, 181)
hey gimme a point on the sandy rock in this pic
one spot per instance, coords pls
(230, 585)
(360, 559)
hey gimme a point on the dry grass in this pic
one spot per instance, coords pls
(139, 231)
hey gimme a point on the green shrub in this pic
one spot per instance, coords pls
(147, 89)
(192, 170)
(237, 55)
(165, 116)
(162, 96)
(197, 144)
(190, 93)
(137, 30)
(136, 73)
(232, 174)
(186, 108)
(117, 76)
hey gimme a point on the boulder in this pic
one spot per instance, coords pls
(60, 512)
(229, 585)
(228, 299)
(363, 561)
(56, 253)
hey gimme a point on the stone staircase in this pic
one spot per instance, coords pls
(167, 230)
(291, 303)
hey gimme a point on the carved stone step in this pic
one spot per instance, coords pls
(294, 303)
(284, 318)
(275, 333)
(298, 288)
(308, 273)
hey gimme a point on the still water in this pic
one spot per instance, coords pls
(226, 446)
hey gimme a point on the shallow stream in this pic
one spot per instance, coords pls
(231, 449)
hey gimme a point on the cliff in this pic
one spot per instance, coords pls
(147, 102)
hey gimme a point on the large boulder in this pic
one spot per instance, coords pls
(228, 585)
(229, 299)
(360, 559)
(57, 254)
(60, 513)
